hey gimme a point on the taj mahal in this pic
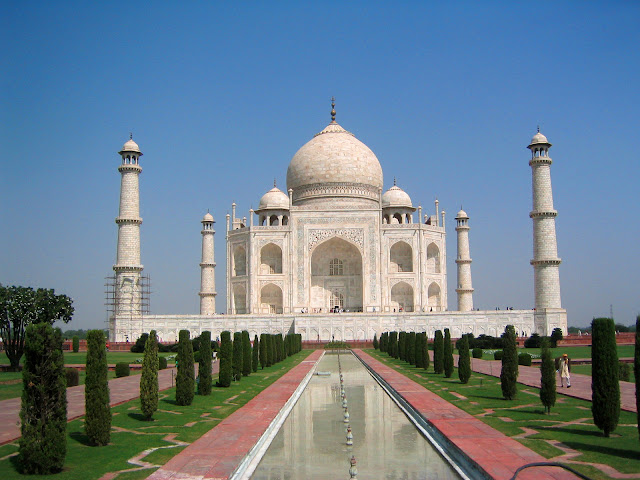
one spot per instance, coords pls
(336, 257)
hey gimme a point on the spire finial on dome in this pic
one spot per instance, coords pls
(333, 109)
(538, 128)
(130, 135)
(394, 181)
(274, 181)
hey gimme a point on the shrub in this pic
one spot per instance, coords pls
(624, 371)
(547, 377)
(509, 372)
(138, 347)
(605, 388)
(448, 354)
(185, 378)
(534, 341)
(464, 363)
(477, 353)
(75, 341)
(524, 359)
(162, 363)
(73, 376)
(237, 356)
(149, 377)
(556, 336)
(438, 352)
(204, 364)
(246, 354)
(43, 414)
(226, 367)
(255, 354)
(97, 422)
(122, 369)
(497, 355)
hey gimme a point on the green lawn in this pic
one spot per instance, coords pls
(624, 351)
(132, 435)
(570, 421)
(81, 357)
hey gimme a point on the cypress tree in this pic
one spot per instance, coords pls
(149, 377)
(226, 362)
(411, 348)
(383, 342)
(418, 350)
(238, 356)
(255, 359)
(375, 341)
(509, 372)
(97, 421)
(464, 362)
(448, 354)
(393, 344)
(76, 343)
(185, 378)
(402, 346)
(281, 349)
(204, 364)
(425, 352)
(273, 359)
(636, 369)
(263, 350)
(246, 354)
(605, 387)
(547, 377)
(43, 414)
(438, 352)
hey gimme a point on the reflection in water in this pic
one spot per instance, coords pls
(312, 441)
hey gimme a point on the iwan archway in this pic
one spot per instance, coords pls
(336, 277)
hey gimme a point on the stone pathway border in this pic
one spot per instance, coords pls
(498, 455)
(218, 452)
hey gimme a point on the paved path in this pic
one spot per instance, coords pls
(120, 389)
(218, 452)
(497, 454)
(580, 384)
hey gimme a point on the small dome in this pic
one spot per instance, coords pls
(396, 197)
(539, 138)
(274, 199)
(462, 214)
(130, 146)
(207, 217)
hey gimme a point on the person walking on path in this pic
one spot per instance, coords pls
(563, 365)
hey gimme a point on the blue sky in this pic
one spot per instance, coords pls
(220, 96)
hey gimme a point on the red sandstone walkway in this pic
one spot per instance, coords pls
(121, 390)
(580, 384)
(499, 455)
(219, 451)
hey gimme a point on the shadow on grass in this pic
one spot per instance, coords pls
(572, 431)
(614, 452)
(140, 417)
(170, 401)
(81, 438)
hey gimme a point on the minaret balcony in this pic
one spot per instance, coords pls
(208, 294)
(208, 264)
(546, 261)
(541, 214)
(135, 221)
(463, 260)
(464, 290)
(540, 161)
(128, 268)
(129, 167)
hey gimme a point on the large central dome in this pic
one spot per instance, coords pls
(334, 163)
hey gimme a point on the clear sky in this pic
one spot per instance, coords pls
(220, 96)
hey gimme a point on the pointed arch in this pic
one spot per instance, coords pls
(239, 261)
(239, 299)
(433, 258)
(402, 297)
(435, 297)
(270, 259)
(401, 257)
(271, 299)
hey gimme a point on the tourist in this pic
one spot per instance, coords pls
(564, 368)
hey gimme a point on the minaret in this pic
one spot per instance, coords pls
(127, 268)
(545, 251)
(207, 268)
(464, 290)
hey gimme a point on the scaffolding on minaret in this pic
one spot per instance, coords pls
(126, 309)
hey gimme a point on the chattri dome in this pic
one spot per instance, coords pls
(462, 214)
(130, 146)
(207, 217)
(396, 197)
(334, 163)
(274, 199)
(539, 138)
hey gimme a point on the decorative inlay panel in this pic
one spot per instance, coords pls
(355, 235)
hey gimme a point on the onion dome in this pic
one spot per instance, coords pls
(396, 197)
(334, 163)
(462, 214)
(207, 218)
(539, 138)
(130, 146)
(274, 199)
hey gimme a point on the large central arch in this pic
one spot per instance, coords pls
(336, 275)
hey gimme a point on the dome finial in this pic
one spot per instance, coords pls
(394, 181)
(130, 135)
(538, 128)
(274, 181)
(333, 109)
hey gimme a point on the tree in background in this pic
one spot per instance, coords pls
(605, 388)
(204, 364)
(237, 356)
(547, 377)
(226, 361)
(448, 354)
(149, 377)
(375, 341)
(43, 415)
(263, 350)
(140, 344)
(464, 361)
(75, 342)
(185, 378)
(246, 354)
(509, 373)
(556, 336)
(23, 306)
(97, 420)
(438, 352)
(255, 358)
(636, 369)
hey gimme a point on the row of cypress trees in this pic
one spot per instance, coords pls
(238, 359)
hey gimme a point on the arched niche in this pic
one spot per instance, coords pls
(270, 259)
(401, 257)
(239, 299)
(239, 261)
(271, 299)
(435, 297)
(433, 258)
(402, 297)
